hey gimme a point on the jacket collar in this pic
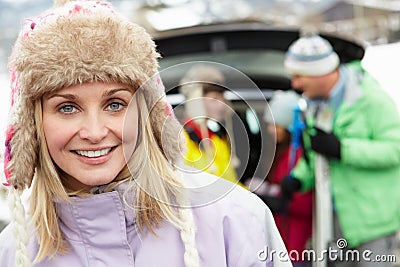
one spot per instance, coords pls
(85, 218)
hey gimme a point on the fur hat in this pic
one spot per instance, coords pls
(311, 55)
(77, 42)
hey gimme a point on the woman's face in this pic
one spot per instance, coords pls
(281, 134)
(83, 125)
(215, 105)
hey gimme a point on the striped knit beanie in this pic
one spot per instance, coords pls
(311, 55)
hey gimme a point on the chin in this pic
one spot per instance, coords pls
(94, 180)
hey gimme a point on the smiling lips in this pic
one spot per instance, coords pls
(93, 153)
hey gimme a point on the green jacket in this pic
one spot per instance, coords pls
(366, 181)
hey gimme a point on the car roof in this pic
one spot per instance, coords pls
(256, 49)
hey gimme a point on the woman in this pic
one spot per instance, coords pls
(293, 215)
(93, 137)
(294, 223)
(208, 122)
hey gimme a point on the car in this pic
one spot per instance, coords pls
(252, 56)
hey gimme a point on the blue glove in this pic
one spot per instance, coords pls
(326, 144)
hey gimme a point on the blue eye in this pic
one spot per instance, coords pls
(68, 109)
(115, 106)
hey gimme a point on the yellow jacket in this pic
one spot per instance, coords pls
(215, 161)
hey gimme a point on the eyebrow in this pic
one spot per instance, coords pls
(114, 91)
(74, 97)
(67, 96)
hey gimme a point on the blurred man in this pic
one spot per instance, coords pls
(355, 125)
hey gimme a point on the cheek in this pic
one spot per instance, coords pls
(57, 134)
(214, 106)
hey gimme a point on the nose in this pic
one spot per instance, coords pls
(93, 129)
(296, 82)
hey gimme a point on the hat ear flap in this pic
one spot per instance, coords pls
(21, 140)
(167, 131)
(166, 128)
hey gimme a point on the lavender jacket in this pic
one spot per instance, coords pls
(234, 228)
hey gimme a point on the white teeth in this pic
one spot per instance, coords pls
(93, 154)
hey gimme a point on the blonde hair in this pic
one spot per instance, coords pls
(151, 178)
(118, 51)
